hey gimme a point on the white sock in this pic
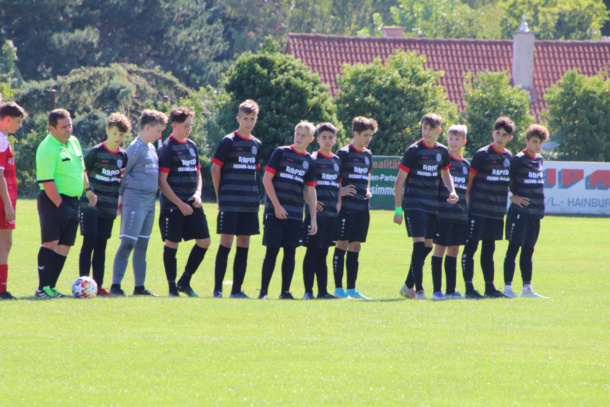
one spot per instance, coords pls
(508, 287)
(527, 286)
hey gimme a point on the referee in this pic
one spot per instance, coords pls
(60, 172)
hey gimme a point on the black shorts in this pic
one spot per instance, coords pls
(451, 233)
(353, 226)
(58, 223)
(481, 228)
(522, 229)
(238, 223)
(175, 227)
(421, 224)
(92, 223)
(281, 232)
(328, 230)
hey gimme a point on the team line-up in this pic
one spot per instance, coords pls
(442, 198)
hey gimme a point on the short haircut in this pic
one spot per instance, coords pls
(431, 119)
(12, 109)
(152, 117)
(458, 129)
(506, 124)
(360, 124)
(248, 107)
(311, 129)
(119, 121)
(326, 127)
(180, 114)
(57, 115)
(536, 130)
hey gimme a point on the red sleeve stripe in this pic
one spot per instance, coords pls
(198, 166)
(217, 162)
(258, 166)
(405, 169)
(163, 169)
(473, 171)
(271, 170)
(447, 167)
(311, 184)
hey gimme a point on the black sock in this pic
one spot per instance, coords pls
(45, 265)
(84, 257)
(525, 263)
(450, 273)
(240, 263)
(338, 263)
(288, 268)
(437, 273)
(195, 258)
(351, 264)
(58, 266)
(509, 262)
(417, 264)
(487, 263)
(220, 267)
(115, 286)
(268, 266)
(169, 261)
(309, 268)
(99, 260)
(322, 272)
(172, 286)
(410, 281)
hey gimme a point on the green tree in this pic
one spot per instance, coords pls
(488, 96)
(579, 109)
(286, 91)
(396, 94)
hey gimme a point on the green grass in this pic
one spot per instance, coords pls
(162, 351)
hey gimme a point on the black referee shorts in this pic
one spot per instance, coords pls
(175, 227)
(58, 223)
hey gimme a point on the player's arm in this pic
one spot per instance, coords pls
(310, 191)
(50, 188)
(515, 198)
(9, 211)
(398, 186)
(216, 176)
(368, 187)
(196, 198)
(89, 192)
(448, 181)
(185, 208)
(471, 177)
(280, 212)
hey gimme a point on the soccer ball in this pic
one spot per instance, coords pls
(84, 287)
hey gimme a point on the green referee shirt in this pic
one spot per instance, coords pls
(62, 164)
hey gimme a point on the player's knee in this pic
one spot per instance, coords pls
(203, 243)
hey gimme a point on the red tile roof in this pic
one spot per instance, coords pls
(326, 54)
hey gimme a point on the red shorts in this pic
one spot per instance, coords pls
(3, 223)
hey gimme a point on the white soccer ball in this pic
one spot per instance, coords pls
(84, 287)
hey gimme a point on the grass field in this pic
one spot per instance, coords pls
(183, 351)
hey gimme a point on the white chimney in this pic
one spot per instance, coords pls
(523, 57)
(393, 32)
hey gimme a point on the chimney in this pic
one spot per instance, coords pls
(523, 57)
(393, 32)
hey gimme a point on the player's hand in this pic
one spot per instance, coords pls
(185, 208)
(320, 206)
(520, 201)
(398, 219)
(281, 213)
(348, 190)
(313, 228)
(368, 194)
(9, 214)
(453, 198)
(196, 200)
(92, 198)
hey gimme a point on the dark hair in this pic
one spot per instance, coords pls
(12, 109)
(431, 119)
(360, 124)
(180, 114)
(153, 118)
(506, 124)
(248, 106)
(119, 121)
(56, 115)
(536, 130)
(326, 127)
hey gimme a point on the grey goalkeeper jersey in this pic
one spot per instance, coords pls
(141, 181)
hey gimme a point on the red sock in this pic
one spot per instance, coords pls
(3, 277)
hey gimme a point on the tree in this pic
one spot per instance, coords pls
(488, 96)
(286, 91)
(396, 94)
(579, 109)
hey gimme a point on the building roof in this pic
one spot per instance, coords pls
(552, 59)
